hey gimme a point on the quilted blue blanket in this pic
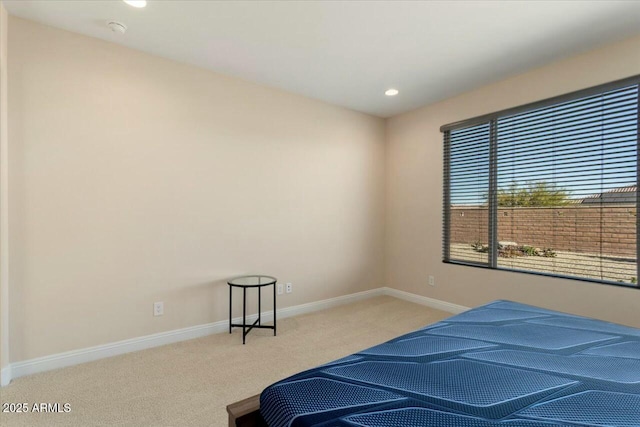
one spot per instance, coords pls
(502, 364)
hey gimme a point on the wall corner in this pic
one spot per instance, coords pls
(5, 368)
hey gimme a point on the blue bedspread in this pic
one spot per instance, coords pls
(502, 364)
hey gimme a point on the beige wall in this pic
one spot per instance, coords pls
(414, 195)
(4, 273)
(136, 179)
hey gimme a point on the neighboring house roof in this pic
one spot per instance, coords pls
(617, 195)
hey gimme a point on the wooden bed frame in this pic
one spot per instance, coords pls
(246, 413)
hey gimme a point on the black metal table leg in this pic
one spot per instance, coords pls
(259, 309)
(274, 309)
(230, 292)
(244, 314)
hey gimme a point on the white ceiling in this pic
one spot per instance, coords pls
(348, 53)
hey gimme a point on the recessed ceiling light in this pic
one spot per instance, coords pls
(136, 3)
(391, 92)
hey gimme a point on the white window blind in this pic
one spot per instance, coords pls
(549, 188)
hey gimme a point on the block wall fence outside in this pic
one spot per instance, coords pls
(609, 229)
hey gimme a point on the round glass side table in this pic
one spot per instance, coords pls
(251, 282)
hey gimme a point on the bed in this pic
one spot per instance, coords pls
(501, 364)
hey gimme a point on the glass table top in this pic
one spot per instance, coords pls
(253, 280)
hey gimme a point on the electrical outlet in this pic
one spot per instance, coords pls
(289, 288)
(158, 308)
(280, 288)
(432, 281)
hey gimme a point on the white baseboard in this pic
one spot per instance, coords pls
(429, 302)
(75, 357)
(5, 376)
(89, 354)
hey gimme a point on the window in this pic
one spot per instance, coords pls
(547, 188)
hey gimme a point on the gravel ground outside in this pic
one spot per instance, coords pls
(593, 266)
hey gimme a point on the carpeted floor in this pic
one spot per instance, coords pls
(190, 383)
